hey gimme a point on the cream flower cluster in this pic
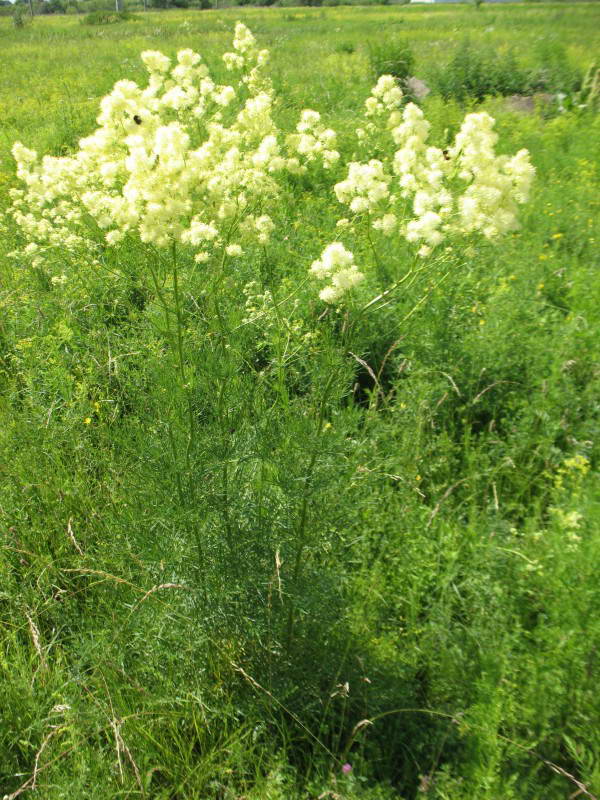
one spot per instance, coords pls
(365, 188)
(423, 193)
(314, 142)
(385, 97)
(336, 264)
(496, 184)
(180, 160)
(465, 189)
(421, 170)
(185, 161)
(248, 59)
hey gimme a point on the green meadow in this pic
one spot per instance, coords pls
(300, 550)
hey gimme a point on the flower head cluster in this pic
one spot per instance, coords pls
(495, 184)
(463, 189)
(185, 161)
(421, 170)
(314, 142)
(337, 264)
(385, 97)
(247, 58)
(163, 165)
(381, 113)
(365, 188)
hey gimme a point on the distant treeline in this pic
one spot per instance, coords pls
(43, 7)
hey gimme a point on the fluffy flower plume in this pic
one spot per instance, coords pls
(248, 59)
(183, 160)
(164, 165)
(337, 264)
(496, 184)
(385, 97)
(424, 193)
(365, 187)
(314, 142)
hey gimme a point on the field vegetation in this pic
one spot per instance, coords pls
(280, 521)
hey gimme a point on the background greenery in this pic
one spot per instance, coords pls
(382, 548)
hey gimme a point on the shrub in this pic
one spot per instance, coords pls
(470, 74)
(106, 17)
(341, 47)
(199, 426)
(19, 16)
(554, 73)
(50, 7)
(391, 57)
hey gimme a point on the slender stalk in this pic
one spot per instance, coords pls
(176, 343)
(381, 271)
(216, 288)
(178, 312)
(181, 360)
(174, 454)
(422, 300)
(216, 303)
(223, 330)
(302, 532)
(412, 272)
(281, 352)
(225, 477)
(171, 435)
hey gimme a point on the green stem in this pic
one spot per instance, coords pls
(302, 534)
(381, 271)
(225, 478)
(178, 313)
(172, 442)
(175, 457)
(281, 352)
(219, 282)
(410, 273)
(216, 289)
(184, 386)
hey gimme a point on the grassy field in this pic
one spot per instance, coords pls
(294, 550)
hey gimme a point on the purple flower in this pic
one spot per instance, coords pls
(347, 768)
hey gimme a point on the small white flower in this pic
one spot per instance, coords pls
(234, 250)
